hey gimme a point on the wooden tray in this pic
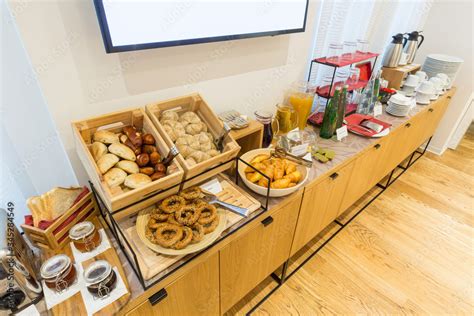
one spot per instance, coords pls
(116, 198)
(55, 236)
(196, 103)
(75, 304)
(151, 263)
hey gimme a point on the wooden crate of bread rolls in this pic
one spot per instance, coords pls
(189, 123)
(122, 153)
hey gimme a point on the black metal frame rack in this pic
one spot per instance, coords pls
(284, 273)
(127, 249)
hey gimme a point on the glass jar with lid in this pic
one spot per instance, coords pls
(58, 273)
(100, 278)
(85, 236)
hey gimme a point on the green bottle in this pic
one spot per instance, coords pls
(328, 127)
(341, 109)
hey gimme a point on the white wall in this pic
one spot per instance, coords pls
(79, 79)
(32, 158)
(449, 30)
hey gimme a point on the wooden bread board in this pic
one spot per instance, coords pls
(75, 304)
(153, 264)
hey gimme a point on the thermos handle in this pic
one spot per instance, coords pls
(422, 39)
(405, 40)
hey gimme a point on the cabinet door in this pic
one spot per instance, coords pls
(320, 206)
(196, 293)
(369, 169)
(247, 261)
(434, 115)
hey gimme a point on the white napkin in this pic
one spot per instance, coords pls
(83, 256)
(29, 311)
(53, 298)
(213, 186)
(94, 304)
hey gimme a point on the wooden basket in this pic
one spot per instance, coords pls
(196, 103)
(57, 235)
(116, 198)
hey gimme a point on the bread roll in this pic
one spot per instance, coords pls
(106, 137)
(115, 177)
(98, 149)
(106, 162)
(122, 151)
(169, 115)
(137, 180)
(128, 166)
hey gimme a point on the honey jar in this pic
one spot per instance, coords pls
(58, 273)
(100, 278)
(85, 236)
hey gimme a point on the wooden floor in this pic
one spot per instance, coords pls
(410, 252)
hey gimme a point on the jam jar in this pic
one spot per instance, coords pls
(100, 278)
(58, 273)
(85, 236)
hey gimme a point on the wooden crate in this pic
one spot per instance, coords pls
(196, 103)
(57, 235)
(395, 76)
(116, 198)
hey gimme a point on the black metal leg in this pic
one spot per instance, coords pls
(332, 82)
(310, 69)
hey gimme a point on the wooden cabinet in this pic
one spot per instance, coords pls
(320, 206)
(369, 168)
(247, 261)
(196, 293)
(434, 115)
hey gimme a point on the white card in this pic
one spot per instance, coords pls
(341, 132)
(299, 150)
(377, 109)
(94, 304)
(83, 256)
(213, 186)
(53, 298)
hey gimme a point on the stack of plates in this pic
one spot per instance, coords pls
(438, 63)
(400, 105)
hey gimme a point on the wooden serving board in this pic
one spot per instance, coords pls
(152, 263)
(75, 304)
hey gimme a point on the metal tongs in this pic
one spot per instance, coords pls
(213, 199)
(219, 141)
(280, 152)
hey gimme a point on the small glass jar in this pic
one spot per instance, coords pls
(270, 126)
(362, 46)
(350, 48)
(85, 236)
(58, 273)
(334, 52)
(100, 278)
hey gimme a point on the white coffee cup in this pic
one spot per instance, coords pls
(427, 87)
(412, 80)
(422, 75)
(423, 98)
(446, 80)
(438, 83)
(408, 90)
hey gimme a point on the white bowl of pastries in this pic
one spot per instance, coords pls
(286, 176)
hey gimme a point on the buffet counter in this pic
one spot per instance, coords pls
(210, 282)
(213, 281)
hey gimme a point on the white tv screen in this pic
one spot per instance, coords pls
(131, 24)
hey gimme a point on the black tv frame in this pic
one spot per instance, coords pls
(110, 48)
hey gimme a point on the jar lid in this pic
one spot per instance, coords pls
(81, 230)
(55, 266)
(97, 272)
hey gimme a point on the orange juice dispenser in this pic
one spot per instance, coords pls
(301, 96)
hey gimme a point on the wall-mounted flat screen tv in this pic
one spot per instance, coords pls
(141, 24)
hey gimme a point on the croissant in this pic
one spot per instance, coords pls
(278, 172)
(295, 176)
(280, 184)
(254, 176)
(260, 158)
(290, 167)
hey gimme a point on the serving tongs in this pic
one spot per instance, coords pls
(213, 199)
(219, 141)
(280, 152)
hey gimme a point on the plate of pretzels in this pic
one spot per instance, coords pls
(180, 224)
